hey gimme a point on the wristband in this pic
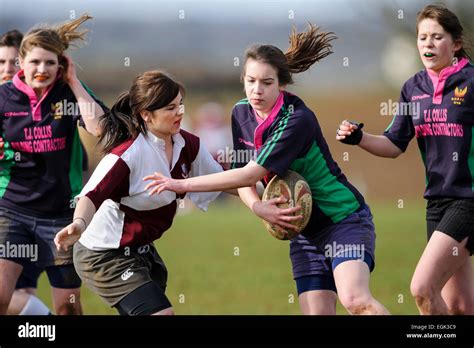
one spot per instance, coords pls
(356, 136)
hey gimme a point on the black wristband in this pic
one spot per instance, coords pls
(356, 136)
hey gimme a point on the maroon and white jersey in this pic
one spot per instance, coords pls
(125, 214)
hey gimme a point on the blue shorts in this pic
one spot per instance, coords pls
(29, 241)
(314, 258)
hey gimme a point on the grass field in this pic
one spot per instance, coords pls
(224, 262)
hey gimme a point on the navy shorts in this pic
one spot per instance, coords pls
(314, 258)
(29, 241)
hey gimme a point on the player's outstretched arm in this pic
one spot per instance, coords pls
(378, 145)
(230, 179)
(70, 234)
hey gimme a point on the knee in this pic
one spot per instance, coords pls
(4, 303)
(4, 306)
(68, 309)
(459, 307)
(356, 303)
(421, 291)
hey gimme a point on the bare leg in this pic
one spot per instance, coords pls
(9, 273)
(441, 259)
(352, 283)
(318, 302)
(67, 301)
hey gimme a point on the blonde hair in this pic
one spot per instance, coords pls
(56, 39)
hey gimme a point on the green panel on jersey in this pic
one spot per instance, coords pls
(242, 101)
(423, 157)
(334, 199)
(6, 163)
(75, 167)
(470, 159)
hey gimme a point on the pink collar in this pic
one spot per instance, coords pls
(440, 80)
(258, 135)
(34, 103)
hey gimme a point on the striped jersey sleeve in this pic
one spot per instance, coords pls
(287, 141)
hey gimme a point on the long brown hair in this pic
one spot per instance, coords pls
(56, 39)
(305, 49)
(150, 91)
(450, 23)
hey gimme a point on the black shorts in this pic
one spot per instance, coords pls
(454, 217)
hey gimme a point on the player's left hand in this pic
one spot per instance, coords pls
(162, 183)
(69, 235)
(270, 212)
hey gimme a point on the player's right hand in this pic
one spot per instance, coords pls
(68, 235)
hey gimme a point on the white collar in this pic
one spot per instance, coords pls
(160, 144)
(178, 140)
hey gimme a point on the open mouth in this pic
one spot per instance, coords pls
(7, 78)
(429, 55)
(41, 78)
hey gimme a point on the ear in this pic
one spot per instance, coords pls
(21, 61)
(63, 63)
(146, 115)
(282, 88)
(457, 46)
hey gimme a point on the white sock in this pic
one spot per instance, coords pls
(34, 306)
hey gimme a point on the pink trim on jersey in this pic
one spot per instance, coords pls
(440, 80)
(257, 117)
(34, 103)
(258, 134)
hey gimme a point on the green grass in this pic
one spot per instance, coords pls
(224, 262)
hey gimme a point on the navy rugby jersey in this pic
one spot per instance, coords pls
(439, 112)
(290, 138)
(41, 169)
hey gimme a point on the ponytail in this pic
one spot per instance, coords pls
(68, 31)
(118, 125)
(305, 49)
(308, 48)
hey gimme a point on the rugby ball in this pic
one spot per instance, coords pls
(297, 192)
